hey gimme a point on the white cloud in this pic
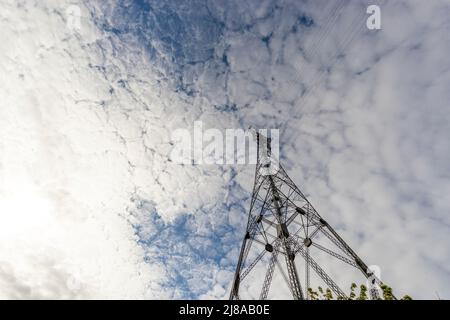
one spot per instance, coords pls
(86, 121)
(64, 173)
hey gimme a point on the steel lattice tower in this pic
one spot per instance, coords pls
(284, 230)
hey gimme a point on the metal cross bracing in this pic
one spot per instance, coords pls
(286, 234)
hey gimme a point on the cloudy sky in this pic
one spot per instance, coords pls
(91, 204)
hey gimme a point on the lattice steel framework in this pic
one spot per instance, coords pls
(284, 229)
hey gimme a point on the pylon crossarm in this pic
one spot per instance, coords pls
(356, 262)
(290, 183)
(288, 197)
(260, 242)
(269, 222)
(336, 242)
(300, 244)
(322, 274)
(271, 236)
(293, 186)
(301, 226)
(291, 218)
(334, 254)
(346, 248)
(294, 205)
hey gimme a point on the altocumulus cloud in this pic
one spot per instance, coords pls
(91, 205)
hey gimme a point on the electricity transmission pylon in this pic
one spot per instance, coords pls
(283, 232)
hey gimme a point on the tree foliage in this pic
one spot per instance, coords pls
(362, 293)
